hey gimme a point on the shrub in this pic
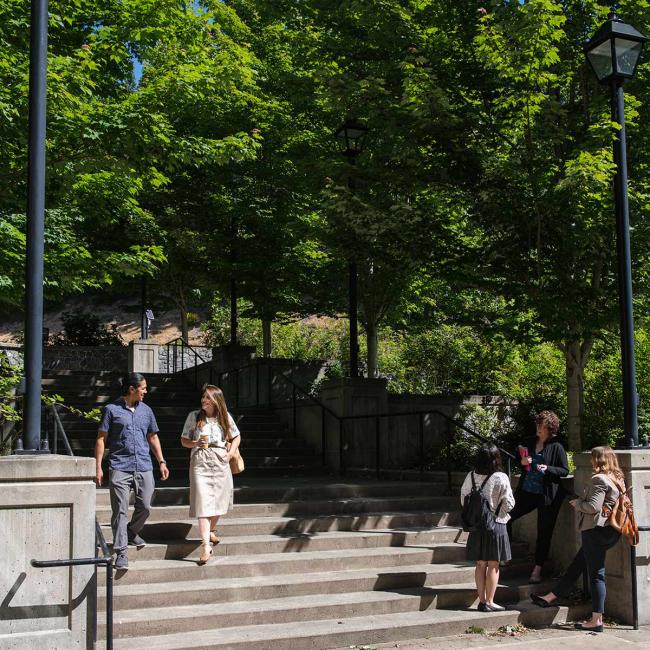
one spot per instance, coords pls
(83, 328)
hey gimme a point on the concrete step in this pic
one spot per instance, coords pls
(238, 526)
(328, 633)
(400, 622)
(253, 544)
(303, 508)
(441, 577)
(161, 571)
(296, 489)
(187, 618)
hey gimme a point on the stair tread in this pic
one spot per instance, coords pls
(371, 501)
(240, 521)
(268, 558)
(308, 629)
(295, 578)
(378, 533)
(281, 604)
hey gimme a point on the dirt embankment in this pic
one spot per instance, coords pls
(123, 313)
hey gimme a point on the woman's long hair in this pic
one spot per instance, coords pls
(488, 460)
(605, 461)
(215, 394)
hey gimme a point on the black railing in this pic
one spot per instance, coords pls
(105, 559)
(59, 432)
(297, 390)
(176, 361)
(635, 586)
(52, 424)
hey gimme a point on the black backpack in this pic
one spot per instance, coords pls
(476, 513)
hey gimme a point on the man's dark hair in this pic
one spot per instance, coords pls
(488, 460)
(133, 379)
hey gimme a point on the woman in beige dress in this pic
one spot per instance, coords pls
(213, 437)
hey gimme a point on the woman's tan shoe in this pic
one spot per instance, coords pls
(213, 537)
(205, 556)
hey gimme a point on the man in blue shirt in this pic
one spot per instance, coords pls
(129, 426)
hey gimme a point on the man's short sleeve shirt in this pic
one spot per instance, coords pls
(127, 430)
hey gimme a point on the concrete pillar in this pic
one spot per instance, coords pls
(47, 512)
(143, 357)
(636, 467)
(355, 396)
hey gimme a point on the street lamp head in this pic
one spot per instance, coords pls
(351, 138)
(614, 50)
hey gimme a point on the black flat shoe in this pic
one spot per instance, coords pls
(481, 607)
(539, 601)
(585, 628)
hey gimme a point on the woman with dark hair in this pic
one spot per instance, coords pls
(213, 437)
(598, 536)
(544, 462)
(489, 547)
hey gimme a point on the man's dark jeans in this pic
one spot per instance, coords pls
(590, 558)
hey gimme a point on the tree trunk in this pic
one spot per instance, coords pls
(185, 332)
(372, 344)
(576, 356)
(266, 337)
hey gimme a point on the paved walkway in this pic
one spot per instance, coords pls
(560, 638)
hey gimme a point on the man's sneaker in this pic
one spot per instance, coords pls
(137, 541)
(121, 561)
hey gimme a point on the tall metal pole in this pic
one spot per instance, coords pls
(353, 311)
(144, 321)
(630, 398)
(35, 225)
(233, 311)
(354, 321)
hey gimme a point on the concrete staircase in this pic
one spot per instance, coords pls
(308, 563)
(267, 446)
(306, 560)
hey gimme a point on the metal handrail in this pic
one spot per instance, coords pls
(58, 428)
(378, 416)
(105, 559)
(635, 587)
(180, 342)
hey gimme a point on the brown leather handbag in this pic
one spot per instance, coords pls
(237, 462)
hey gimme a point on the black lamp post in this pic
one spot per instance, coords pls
(35, 227)
(614, 53)
(351, 137)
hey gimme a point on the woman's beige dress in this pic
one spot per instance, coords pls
(211, 487)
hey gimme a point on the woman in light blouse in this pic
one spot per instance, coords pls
(489, 547)
(597, 536)
(213, 437)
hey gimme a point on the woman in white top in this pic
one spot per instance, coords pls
(213, 437)
(489, 547)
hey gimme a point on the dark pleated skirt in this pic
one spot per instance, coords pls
(492, 545)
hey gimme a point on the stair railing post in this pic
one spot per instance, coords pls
(323, 433)
(257, 384)
(450, 436)
(421, 437)
(237, 387)
(341, 450)
(377, 446)
(109, 604)
(55, 441)
(293, 407)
